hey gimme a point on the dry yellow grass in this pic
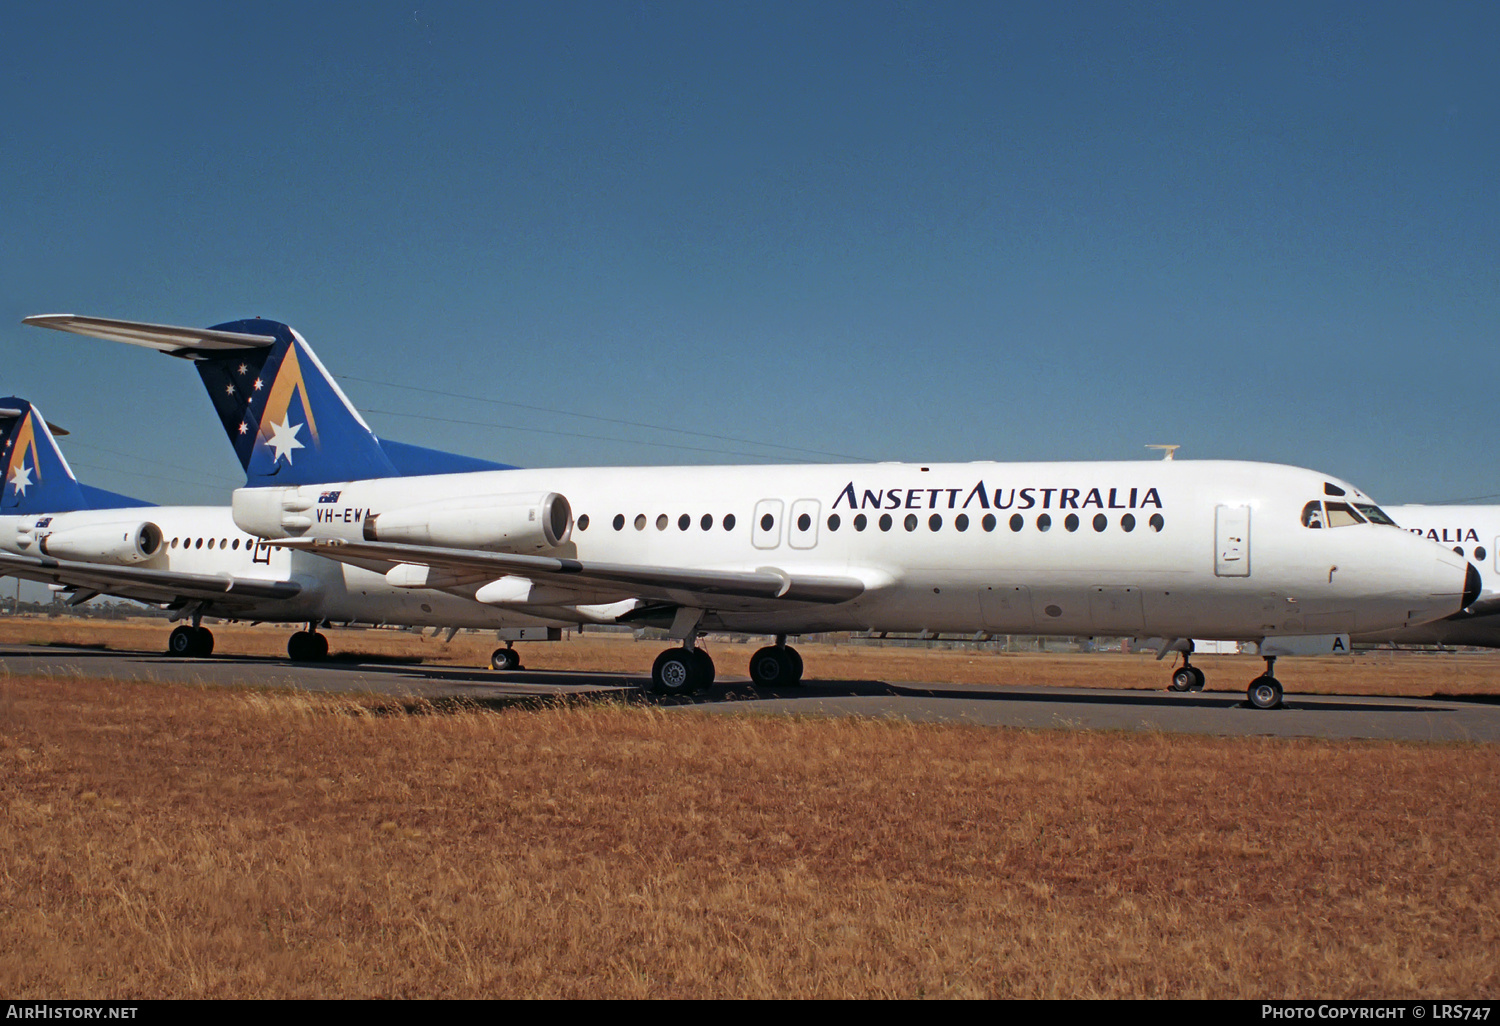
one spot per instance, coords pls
(176, 842)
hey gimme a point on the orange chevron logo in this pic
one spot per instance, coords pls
(24, 442)
(274, 430)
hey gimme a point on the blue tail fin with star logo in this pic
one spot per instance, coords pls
(288, 420)
(37, 477)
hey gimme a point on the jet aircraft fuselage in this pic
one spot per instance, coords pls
(203, 542)
(1170, 548)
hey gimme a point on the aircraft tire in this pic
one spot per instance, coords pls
(299, 647)
(705, 665)
(204, 643)
(1182, 679)
(1199, 679)
(675, 672)
(319, 647)
(1265, 692)
(181, 642)
(505, 659)
(768, 668)
(794, 661)
(776, 664)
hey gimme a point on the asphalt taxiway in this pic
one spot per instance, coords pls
(1208, 712)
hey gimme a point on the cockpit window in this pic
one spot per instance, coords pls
(1374, 514)
(1341, 514)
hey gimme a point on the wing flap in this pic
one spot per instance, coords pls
(143, 584)
(718, 589)
(161, 337)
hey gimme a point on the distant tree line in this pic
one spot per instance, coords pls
(97, 609)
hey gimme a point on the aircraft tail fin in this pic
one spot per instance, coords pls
(288, 420)
(37, 476)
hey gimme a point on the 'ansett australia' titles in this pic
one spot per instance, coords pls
(981, 496)
(1443, 534)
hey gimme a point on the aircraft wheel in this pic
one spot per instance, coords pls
(767, 667)
(794, 660)
(705, 666)
(299, 647)
(776, 665)
(1265, 692)
(319, 646)
(1198, 679)
(182, 641)
(675, 672)
(205, 643)
(1182, 679)
(505, 659)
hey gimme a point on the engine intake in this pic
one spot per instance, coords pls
(131, 542)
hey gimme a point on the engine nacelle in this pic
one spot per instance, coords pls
(131, 542)
(502, 523)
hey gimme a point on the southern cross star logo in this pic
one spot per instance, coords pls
(20, 478)
(284, 392)
(284, 439)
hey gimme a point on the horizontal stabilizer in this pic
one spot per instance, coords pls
(14, 412)
(162, 337)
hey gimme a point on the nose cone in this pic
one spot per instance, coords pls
(1473, 586)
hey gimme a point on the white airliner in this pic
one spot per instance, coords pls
(1176, 549)
(1473, 533)
(194, 560)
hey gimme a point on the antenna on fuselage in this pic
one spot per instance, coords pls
(1167, 451)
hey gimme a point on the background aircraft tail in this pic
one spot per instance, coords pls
(288, 420)
(37, 477)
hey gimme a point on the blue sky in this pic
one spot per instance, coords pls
(774, 232)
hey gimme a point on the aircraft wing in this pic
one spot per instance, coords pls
(162, 337)
(710, 589)
(146, 585)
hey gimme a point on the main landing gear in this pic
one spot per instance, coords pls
(307, 646)
(191, 641)
(686, 671)
(682, 671)
(776, 664)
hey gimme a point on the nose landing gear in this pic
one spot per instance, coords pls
(1187, 677)
(1265, 691)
